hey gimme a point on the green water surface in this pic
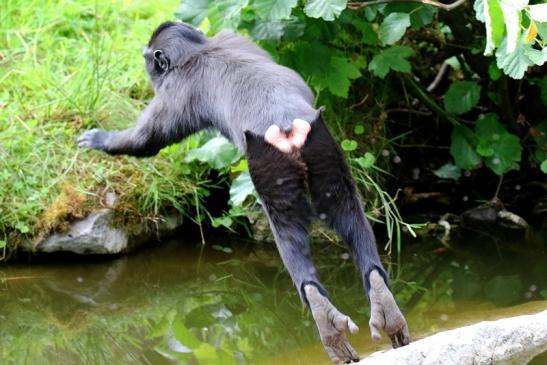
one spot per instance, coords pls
(231, 302)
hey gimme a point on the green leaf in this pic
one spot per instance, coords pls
(485, 149)
(359, 129)
(538, 12)
(22, 227)
(369, 34)
(349, 145)
(449, 171)
(241, 188)
(494, 72)
(516, 63)
(495, 26)
(367, 161)
(204, 315)
(507, 154)
(193, 11)
(543, 169)
(542, 30)
(462, 96)
(218, 152)
(511, 13)
(536, 56)
(489, 127)
(393, 27)
(268, 30)
(293, 28)
(242, 166)
(337, 79)
(326, 9)
(371, 12)
(274, 9)
(225, 14)
(478, 6)
(462, 148)
(183, 334)
(206, 354)
(393, 58)
(224, 221)
(504, 149)
(312, 58)
(420, 14)
(3, 243)
(227, 357)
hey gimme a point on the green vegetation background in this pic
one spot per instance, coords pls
(68, 66)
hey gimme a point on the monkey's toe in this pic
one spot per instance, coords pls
(385, 314)
(332, 326)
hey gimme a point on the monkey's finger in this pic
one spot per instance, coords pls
(375, 331)
(278, 139)
(404, 335)
(83, 142)
(332, 355)
(301, 125)
(299, 132)
(353, 328)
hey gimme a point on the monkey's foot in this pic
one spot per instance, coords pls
(385, 314)
(332, 326)
(94, 138)
(286, 142)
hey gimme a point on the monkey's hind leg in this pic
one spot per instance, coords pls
(279, 179)
(337, 204)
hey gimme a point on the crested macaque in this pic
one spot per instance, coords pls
(228, 83)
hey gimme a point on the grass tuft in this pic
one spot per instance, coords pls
(67, 66)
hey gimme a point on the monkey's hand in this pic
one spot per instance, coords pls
(385, 314)
(95, 139)
(286, 142)
(332, 326)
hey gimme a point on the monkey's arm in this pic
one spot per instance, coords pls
(157, 127)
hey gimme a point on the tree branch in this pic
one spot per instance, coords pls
(357, 5)
(430, 103)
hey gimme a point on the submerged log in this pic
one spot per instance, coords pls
(515, 340)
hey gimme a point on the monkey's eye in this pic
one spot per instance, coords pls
(161, 62)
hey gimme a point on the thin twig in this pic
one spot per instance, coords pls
(431, 104)
(198, 214)
(500, 181)
(357, 5)
(410, 111)
(438, 78)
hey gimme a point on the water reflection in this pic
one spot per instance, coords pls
(181, 303)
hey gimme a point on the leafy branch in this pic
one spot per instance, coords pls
(358, 5)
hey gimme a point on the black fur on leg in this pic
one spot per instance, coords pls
(280, 180)
(336, 199)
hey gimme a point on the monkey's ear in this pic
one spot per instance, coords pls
(161, 61)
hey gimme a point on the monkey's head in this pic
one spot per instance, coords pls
(171, 44)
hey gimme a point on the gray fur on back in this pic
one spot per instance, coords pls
(234, 86)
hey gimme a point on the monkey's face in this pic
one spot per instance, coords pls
(170, 44)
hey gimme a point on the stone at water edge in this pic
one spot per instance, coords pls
(508, 341)
(95, 234)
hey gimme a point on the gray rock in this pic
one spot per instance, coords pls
(508, 341)
(94, 234)
(99, 233)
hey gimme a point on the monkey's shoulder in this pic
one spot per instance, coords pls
(235, 45)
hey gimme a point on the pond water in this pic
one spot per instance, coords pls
(231, 302)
